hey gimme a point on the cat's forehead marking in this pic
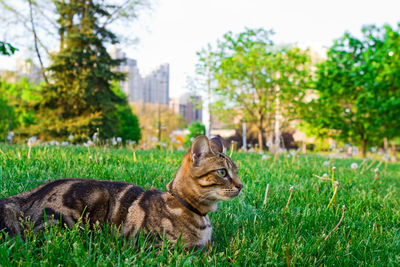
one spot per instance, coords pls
(228, 160)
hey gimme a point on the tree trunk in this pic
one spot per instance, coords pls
(363, 148)
(394, 152)
(386, 144)
(277, 132)
(260, 138)
(61, 30)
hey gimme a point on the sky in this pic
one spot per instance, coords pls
(174, 30)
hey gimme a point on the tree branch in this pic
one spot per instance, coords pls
(35, 41)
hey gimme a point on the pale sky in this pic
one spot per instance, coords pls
(176, 29)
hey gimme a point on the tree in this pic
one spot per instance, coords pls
(205, 81)
(257, 80)
(196, 128)
(16, 99)
(5, 114)
(78, 100)
(358, 89)
(127, 123)
(153, 117)
(23, 17)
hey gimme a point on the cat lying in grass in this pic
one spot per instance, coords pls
(205, 177)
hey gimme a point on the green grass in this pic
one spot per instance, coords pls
(246, 233)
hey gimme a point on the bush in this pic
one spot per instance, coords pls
(196, 128)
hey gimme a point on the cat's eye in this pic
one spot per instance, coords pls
(222, 172)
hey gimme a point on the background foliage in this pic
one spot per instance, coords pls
(256, 80)
(358, 89)
(196, 128)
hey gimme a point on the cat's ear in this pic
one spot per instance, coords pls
(216, 144)
(199, 149)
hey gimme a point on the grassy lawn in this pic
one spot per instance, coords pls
(246, 232)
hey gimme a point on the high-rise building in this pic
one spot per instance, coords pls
(152, 88)
(189, 106)
(156, 85)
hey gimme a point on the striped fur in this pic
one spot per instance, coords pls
(179, 213)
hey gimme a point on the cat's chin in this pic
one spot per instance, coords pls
(228, 195)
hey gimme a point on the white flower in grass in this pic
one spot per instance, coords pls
(261, 152)
(90, 157)
(32, 140)
(191, 139)
(376, 170)
(347, 110)
(88, 143)
(265, 157)
(180, 148)
(325, 175)
(54, 143)
(119, 139)
(385, 157)
(154, 139)
(65, 143)
(291, 188)
(354, 166)
(326, 163)
(269, 143)
(10, 136)
(114, 141)
(71, 137)
(95, 136)
(101, 158)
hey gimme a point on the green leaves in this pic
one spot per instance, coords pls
(79, 99)
(358, 88)
(7, 49)
(251, 73)
(196, 128)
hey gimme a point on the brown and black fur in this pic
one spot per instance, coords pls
(179, 213)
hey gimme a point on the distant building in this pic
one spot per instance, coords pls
(189, 106)
(24, 69)
(152, 88)
(156, 86)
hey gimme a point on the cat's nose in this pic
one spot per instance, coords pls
(239, 186)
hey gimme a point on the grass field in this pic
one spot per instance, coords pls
(246, 232)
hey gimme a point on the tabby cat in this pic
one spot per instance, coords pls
(205, 177)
